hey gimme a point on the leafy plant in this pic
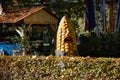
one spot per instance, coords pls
(55, 68)
(106, 45)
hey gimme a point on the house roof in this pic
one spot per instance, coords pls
(19, 14)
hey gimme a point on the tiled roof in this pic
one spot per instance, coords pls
(19, 14)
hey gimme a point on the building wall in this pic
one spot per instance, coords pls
(41, 17)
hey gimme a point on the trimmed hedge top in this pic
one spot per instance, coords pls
(57, 68)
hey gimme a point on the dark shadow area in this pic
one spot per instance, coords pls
(105, 45)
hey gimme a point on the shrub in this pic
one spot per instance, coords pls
(105, 45)
(57, 68)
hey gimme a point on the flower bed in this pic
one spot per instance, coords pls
(57, 68)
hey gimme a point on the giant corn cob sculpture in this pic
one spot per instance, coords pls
(66, 39)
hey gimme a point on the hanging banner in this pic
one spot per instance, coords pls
(117, 22)
(111, 19)
(87, 16)
(90, 15)
(103, 15)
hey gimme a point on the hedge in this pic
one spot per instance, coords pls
(58, 68)
(105, 45)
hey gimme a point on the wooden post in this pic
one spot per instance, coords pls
(24, 40)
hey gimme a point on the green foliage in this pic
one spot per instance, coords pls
(103, 45)
(14, 39)
(57, 68)
(90, 44)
